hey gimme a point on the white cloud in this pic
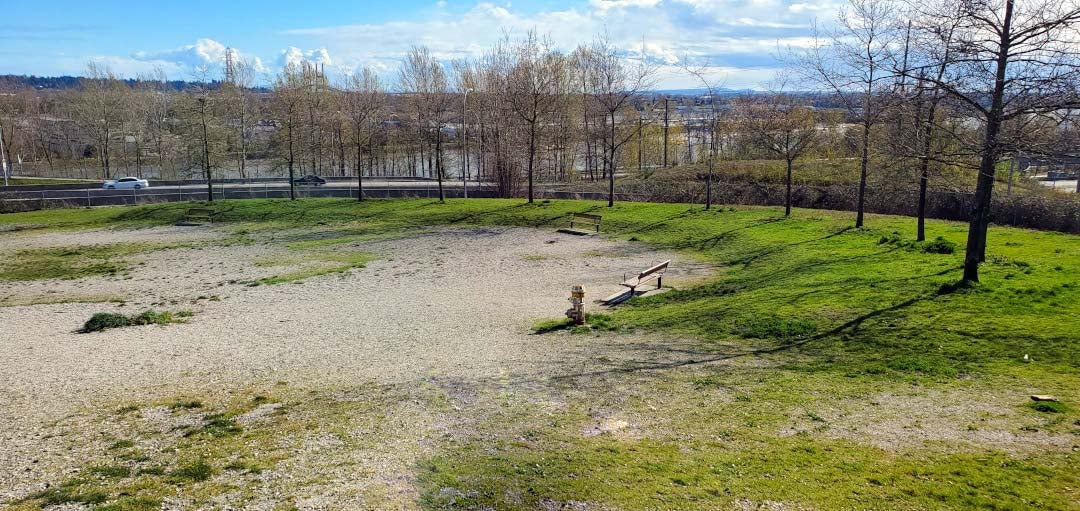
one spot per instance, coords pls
(737, 37)
(296, 56)
(205, 54)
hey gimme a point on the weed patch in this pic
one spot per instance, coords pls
(106, 320)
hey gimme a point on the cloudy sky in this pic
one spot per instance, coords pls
(737, 39)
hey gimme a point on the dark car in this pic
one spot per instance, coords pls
(311, 180)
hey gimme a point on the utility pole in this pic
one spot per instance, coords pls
(640, 145)
(465, 143)
(3, 157)
(665, 131)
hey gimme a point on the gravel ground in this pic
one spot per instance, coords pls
(450, 304)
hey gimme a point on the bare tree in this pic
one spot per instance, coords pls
(712, 124)
(99, 111)
(533, 88)
(1007, 61)
(365, 102)
(613, 82)
(422, 76)
(289, 88)
(854, 65)
(781, 126)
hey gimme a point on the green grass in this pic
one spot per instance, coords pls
(316, 263)
(27, 181)
(73, 262)
(810, 322)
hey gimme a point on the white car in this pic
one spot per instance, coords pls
(126, 182)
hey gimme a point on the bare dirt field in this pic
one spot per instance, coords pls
(446, 305)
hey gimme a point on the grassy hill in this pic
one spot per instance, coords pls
(830, 368)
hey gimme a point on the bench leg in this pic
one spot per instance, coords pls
(659, 282)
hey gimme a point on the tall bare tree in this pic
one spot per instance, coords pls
(853, 62)
(533, 90)
(424, 79)
(99, 111)
(1008, 61)
(612, 82)
(781, 126)
(365, 101)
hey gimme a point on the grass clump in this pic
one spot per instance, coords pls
(552, 325)
(315, 263)
(132, 504)
(1048, 406)
(939, 245)
(122, 444)
(70, 493)
(106, 320)
(193, 472)
(602, 322)
(185, 404)
(109, 471)
(217, 425)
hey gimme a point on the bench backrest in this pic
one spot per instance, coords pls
(660, 268)
(585, 218)
(200, 212)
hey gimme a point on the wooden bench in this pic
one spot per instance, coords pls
(633, 281)
(592, 221)
(199, 214)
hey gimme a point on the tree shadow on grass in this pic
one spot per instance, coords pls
(711, 356)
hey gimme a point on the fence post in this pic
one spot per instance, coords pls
(88, 204)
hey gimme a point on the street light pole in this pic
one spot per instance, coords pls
(3, 157)
(465, 143)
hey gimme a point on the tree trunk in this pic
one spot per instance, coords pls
(532, 156)
(787, 196)
(611, 164)
(708, 185)
(863, 164)
(292, 159)
(924, 179)
(206, 152)
(984, 188)
(359, 170)
(438, 162)
(665, 132)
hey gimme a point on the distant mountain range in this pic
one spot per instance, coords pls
(701, 92)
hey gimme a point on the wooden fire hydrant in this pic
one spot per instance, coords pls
(576, 312)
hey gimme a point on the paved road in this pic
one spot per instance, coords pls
(96, 196)
(1061, 185)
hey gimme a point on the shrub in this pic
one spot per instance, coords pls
(104, 320)
(939, 246)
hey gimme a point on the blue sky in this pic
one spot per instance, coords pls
(736, 39)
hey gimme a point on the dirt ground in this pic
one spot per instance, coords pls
(448, 304)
